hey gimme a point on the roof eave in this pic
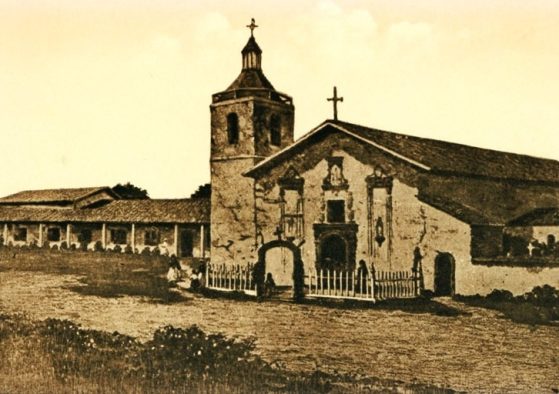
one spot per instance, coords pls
(254, 171)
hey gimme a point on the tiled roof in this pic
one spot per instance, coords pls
(196, 210)
(119, 211)
(50, 195)
(466, 214)
(435, 156)
(442, 156)
(251, 79)
(538, 217)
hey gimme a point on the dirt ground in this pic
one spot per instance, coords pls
(475, 351)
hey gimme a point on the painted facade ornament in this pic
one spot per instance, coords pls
(335, 179)
(379, 232)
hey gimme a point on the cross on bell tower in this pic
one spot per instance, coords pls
(335, 100)
(252, 26)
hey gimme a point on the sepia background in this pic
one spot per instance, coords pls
(97, 92)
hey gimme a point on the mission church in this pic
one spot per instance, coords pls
(340, 196)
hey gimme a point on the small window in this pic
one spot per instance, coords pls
(336, 211)
(85, 236)
(151, 237)
(232, 128)
(118, 236)
(275, 130)
(53, 234)
(20, 234)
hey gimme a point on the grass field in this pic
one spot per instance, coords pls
(105, 274)
(52, 355)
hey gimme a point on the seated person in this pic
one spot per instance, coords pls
(174, 273)
(269, 285)
(195, 282)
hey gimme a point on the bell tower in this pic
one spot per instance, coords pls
(250, 121)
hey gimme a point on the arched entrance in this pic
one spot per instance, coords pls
(333, 252)
(444, 274)
(274, 257)
(279, 263)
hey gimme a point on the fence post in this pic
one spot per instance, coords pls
(335, 285)
(353, 283)
(328, 283)
(347, 283)
(207, 275)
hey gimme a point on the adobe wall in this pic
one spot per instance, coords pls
(414, 223)
(540, 233)
(479, 279)
(232, 215)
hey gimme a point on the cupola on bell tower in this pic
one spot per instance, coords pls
(250, 121)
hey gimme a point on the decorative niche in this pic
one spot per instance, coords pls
(379, 221)
(335, 179)
(291, 187)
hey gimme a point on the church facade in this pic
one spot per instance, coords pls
(477, 219)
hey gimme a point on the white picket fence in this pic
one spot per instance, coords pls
(380, 285)
(396, 284)
(340, 284)
(230, 278)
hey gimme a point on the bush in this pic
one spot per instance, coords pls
(542, 295)
(178, 351)
(117, 249)
(128, 249)
(500, 296)
(156, 252)
(63, 245)
(145, 252)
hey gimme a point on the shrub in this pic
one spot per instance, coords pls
(72, 247)
(500, 296)
(63, 245)
(54, 247)
(178, 351)
(542, 295)
(128, 249)
(117, 249)
(145, 252)
(156, 252)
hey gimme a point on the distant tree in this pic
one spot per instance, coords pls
(204, 191)
(130, 192)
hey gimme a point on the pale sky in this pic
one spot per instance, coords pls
(94, 93)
